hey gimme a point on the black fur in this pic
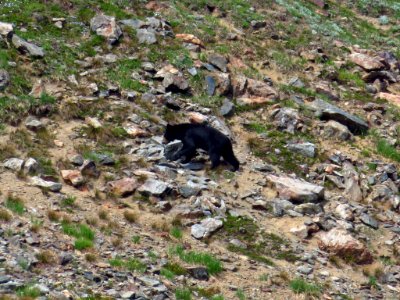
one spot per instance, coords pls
(194, 136)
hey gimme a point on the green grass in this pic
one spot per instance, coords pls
(300, 286)
(240, 294)
(83, 234)
(170, 270)
(176, 233)
(136, 239)
(83, 243)
(15, 204)
(183, 294)
(69, 201)
(131, 264)
(28, 291)
(349, 77)
(213, 265)
(387, 150)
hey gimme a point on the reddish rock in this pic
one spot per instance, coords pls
(250, 91)
(73, 177)
(392, 98)
(195, 117)
(123, 187)
(189, 38)
(135, 131)
(340, 243)
(366, 62)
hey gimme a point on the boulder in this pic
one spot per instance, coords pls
(327, 111)
(333, 129)
(218, 61)
(303, 148)
(296, 190)
(340, 243)
(106, 27)
(48, 185)
(74, 177)
(146, 36)
(154, 187)
(175, 83)
(206, 228)
(250, 91)
(14, 164)
(366, 62)
(123, 187)
(26, 47)
(6, 28)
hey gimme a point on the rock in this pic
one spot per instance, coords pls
(227, 109)
(224, 85)
(218, 61)
(34, 124)
(330, 112)
(93, 122)
(128, 295)
(333, 129)
(324, 89)
(306, 270)
(366, 62)
(135, 131)
(392, 98)
(300, 231)
(76, 159)
(189, 38)
(73, 177)
(14, 164)
(210, 85)
(351, 182)
(48, 185)
(4, 79)
(340, 243)
(303, 148)
(199, 273)
(188, 191)
(296, 190)
(308, 209)
(280, 207)
(31, 166)
(89, 168)
(250, 91)
(123, 187)
(6, 28)
(368, 220)
(206, 228)
(25, 47)
(172, 148)
(65, 259)
(286, 119)
(175, 83)
(106, 27)
(154, 187)
(344, 212)
(166, 70)
(296, 82)
(255, 24)
(238, 244)
(105, 160)
(146, 36)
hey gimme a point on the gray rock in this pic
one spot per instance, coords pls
(148, 281)
(172, 148)
(31, 166)
(303, 148)
(227, 109)
(296, 190)
(211, 85)
(237, 243)
(106, 27)
(218, 61)
(128, 295)
(89, 168)
(4, 79)
(336, 130)
(146, 36)
(188, 191)
(48, 185)
(306, 270)
(199, 273)
(344, 212)
(175, 83)
(76, 159)
(34, 124)
(154, 187)
(296, 82)
(287, 119)
(25, 47)
(206, 228)
(308, 208)
(327, 111)
(14, 164)
(134, 23)
(368, 220)
(351, 182)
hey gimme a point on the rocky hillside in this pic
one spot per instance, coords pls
(309, 93)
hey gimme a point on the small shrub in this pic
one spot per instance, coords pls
(300, 286)
(90, 257)
(130, 216)
(83, 243)
(183, 294)
(53, 215)
(5, 215)
(136, 239)
(176, 233)
(69, 201)
(46, 257)
(28, 291)
(240, 294)
(103, 214)
(15, 204)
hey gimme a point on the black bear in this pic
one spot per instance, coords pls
(194, 136)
